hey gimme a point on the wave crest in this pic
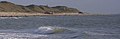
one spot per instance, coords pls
(52, 30)
(10, 17)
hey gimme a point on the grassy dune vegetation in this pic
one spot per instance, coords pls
(11, 9)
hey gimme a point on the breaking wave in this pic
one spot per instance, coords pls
(40, 33)
(10, 17)
(20, 36)
(50, 32)
(53, 30)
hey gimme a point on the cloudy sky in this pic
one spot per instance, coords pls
(91, 6)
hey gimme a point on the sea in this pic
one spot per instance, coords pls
(61, 27)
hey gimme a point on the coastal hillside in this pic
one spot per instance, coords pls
(11, 7)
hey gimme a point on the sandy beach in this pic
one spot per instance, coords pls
(12, 14)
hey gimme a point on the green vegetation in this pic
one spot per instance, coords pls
(11, 7)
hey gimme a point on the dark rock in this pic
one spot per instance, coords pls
(48, 12)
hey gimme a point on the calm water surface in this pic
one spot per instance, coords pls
(60, 27)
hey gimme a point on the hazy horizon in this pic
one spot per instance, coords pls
(90, 6)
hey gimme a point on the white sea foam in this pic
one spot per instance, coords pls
(40, 33)
(44, 30)
(95, 33)
(43, 17)
(48, 30)
(10, 17)
(20, 36)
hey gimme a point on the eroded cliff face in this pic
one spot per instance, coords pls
(11, 7)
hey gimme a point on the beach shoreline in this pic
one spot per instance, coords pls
(23, 14)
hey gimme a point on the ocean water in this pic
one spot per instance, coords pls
(60, 27)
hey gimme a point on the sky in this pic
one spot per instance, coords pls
(90, 6)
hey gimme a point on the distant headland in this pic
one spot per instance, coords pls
(11, 9)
